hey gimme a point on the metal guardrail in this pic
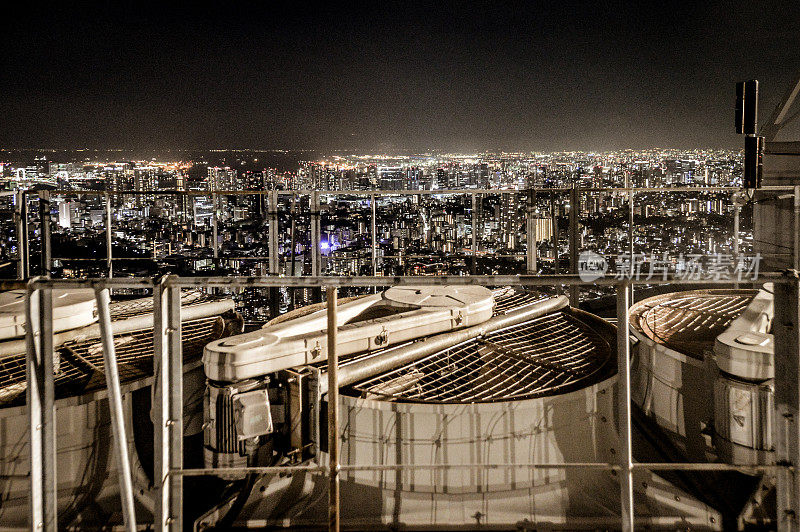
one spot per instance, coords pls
(168, 402)
(273, 258)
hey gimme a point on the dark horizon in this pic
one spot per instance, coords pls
(389, 77)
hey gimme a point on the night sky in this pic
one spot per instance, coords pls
(435, 76)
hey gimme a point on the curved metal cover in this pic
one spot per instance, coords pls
(71, 309)
(746, 348)
(303, 341)
(437, 296)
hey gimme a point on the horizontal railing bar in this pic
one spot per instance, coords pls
(406, 280)
(284, 257)
(656, 466)
(378, 193)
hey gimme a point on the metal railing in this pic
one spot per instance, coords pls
(273, 257)
(168, 403)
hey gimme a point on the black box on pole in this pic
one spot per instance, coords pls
(753, 162)
(746, 109)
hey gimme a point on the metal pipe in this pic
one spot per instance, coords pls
(333, 414)
(160, 407)
(46, 242)
(405, 354)
(167, 406)
(175, 422)
(115, 405)
(624, 405)
(109, 259)
(40, 396)
(640, 466)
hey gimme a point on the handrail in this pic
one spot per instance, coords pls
(169, 391)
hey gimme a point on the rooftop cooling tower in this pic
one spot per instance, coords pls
(529, 381)
(87, 478)
(672, 362)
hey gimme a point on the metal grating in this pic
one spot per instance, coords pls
(547, 355)
(121, 310)
(507, 299)
(79, 365)
(688, 322)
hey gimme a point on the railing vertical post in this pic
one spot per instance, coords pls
(315, 234)
(109, 258)
(374, 233)
(574, 243)
(786, 427)
(316, 239)
(333, 413)
(26, 242)
(292, 246)
(554, 216)
(115, 405)
(530, 232)
(168, 405)
(274, 257)
(474, 266)
(214, 227)
(40, 395)
(629, 185)
(737, 210)
(624, 405)
(175, 422)
(796, 247)
(21, 227)
(44, 222)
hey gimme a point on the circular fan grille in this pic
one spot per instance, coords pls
(688, 322)
(544, 356)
